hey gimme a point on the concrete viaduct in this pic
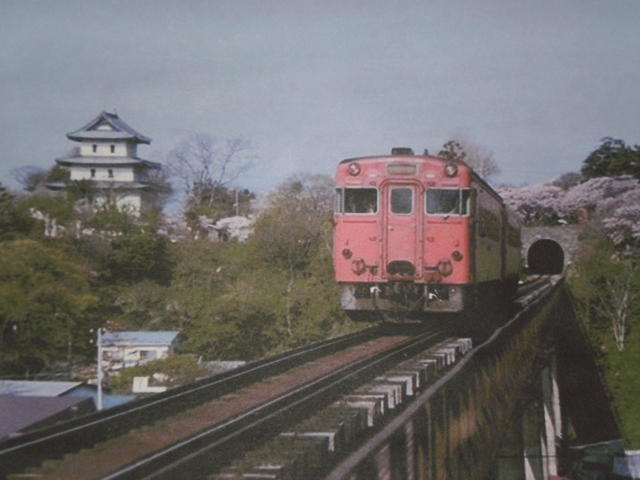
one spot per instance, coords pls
(503, 413)
(506, 412)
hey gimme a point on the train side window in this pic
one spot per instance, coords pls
(402, 200)
(360, 200)
(448, 201)
(338, 205)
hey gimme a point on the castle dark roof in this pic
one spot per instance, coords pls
(109, 185)
(97, 160)
(108, 126)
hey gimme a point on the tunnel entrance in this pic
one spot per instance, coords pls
(545, 257)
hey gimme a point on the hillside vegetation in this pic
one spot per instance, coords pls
(231, 300)
(67, 268)
(605, 277)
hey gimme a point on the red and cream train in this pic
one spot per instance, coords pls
(420, 234)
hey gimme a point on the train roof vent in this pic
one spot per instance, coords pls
(401, 151)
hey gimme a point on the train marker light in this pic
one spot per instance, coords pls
(346, 253)
(445, 268)
(456, 255)
(451, 170)
(358, 266)
(353, 169)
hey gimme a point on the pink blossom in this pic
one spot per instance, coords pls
(534, 203)
(613, 202)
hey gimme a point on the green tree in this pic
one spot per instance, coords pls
(56, 207)
(474, 155)
(452, 150)
(202, 270)
(216, 298)
(179, 368)
(288, 233)
(113, 220)
(611, 159)
(45, 298)
(243, 301)
(605, 288)
(34, 178)
(217, 202)
(242, 322)
(141, 306)
(289, 230)
(14, 220)
(136, 257)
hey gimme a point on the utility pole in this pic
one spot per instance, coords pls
(99, 366)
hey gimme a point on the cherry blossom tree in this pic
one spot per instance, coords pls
(535, 204)
(622, 222)
(613, 203)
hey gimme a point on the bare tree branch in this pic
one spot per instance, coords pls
(203, 164)
(476, 156)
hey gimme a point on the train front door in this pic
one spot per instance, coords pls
(400, 205)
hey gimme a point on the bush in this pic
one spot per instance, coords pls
(180, 369)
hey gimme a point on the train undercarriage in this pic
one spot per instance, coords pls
(401, 301)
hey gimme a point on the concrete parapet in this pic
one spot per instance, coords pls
(453, 427)
(335, 429)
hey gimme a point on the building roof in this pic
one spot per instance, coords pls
(108, 185)
(108, 126)
(130, 338)
(20, 412)
(105, 161)
(36, 388)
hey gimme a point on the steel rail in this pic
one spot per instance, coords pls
(30, 449)
(533, 283)
(205, 452)
(348, 465)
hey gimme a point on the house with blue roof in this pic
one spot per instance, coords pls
(29, 404)
(131, 348)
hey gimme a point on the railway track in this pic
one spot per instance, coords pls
(213, 444)
(31, 449)
(531, 288)
(204, 453)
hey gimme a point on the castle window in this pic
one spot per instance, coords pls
(111, 171)
(113, 149)
(95, 148)
(93, 171)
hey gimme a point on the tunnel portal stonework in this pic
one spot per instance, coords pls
(567, 236)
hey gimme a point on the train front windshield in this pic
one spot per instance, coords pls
(356, 200)
(448, 201)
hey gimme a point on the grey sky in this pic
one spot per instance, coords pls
(311, 82)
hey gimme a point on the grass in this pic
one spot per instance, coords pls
(621, 372)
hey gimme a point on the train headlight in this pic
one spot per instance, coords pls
(445, 268)
(353, 169)
(451, 170)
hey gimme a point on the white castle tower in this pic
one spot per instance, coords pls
(107, 156)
